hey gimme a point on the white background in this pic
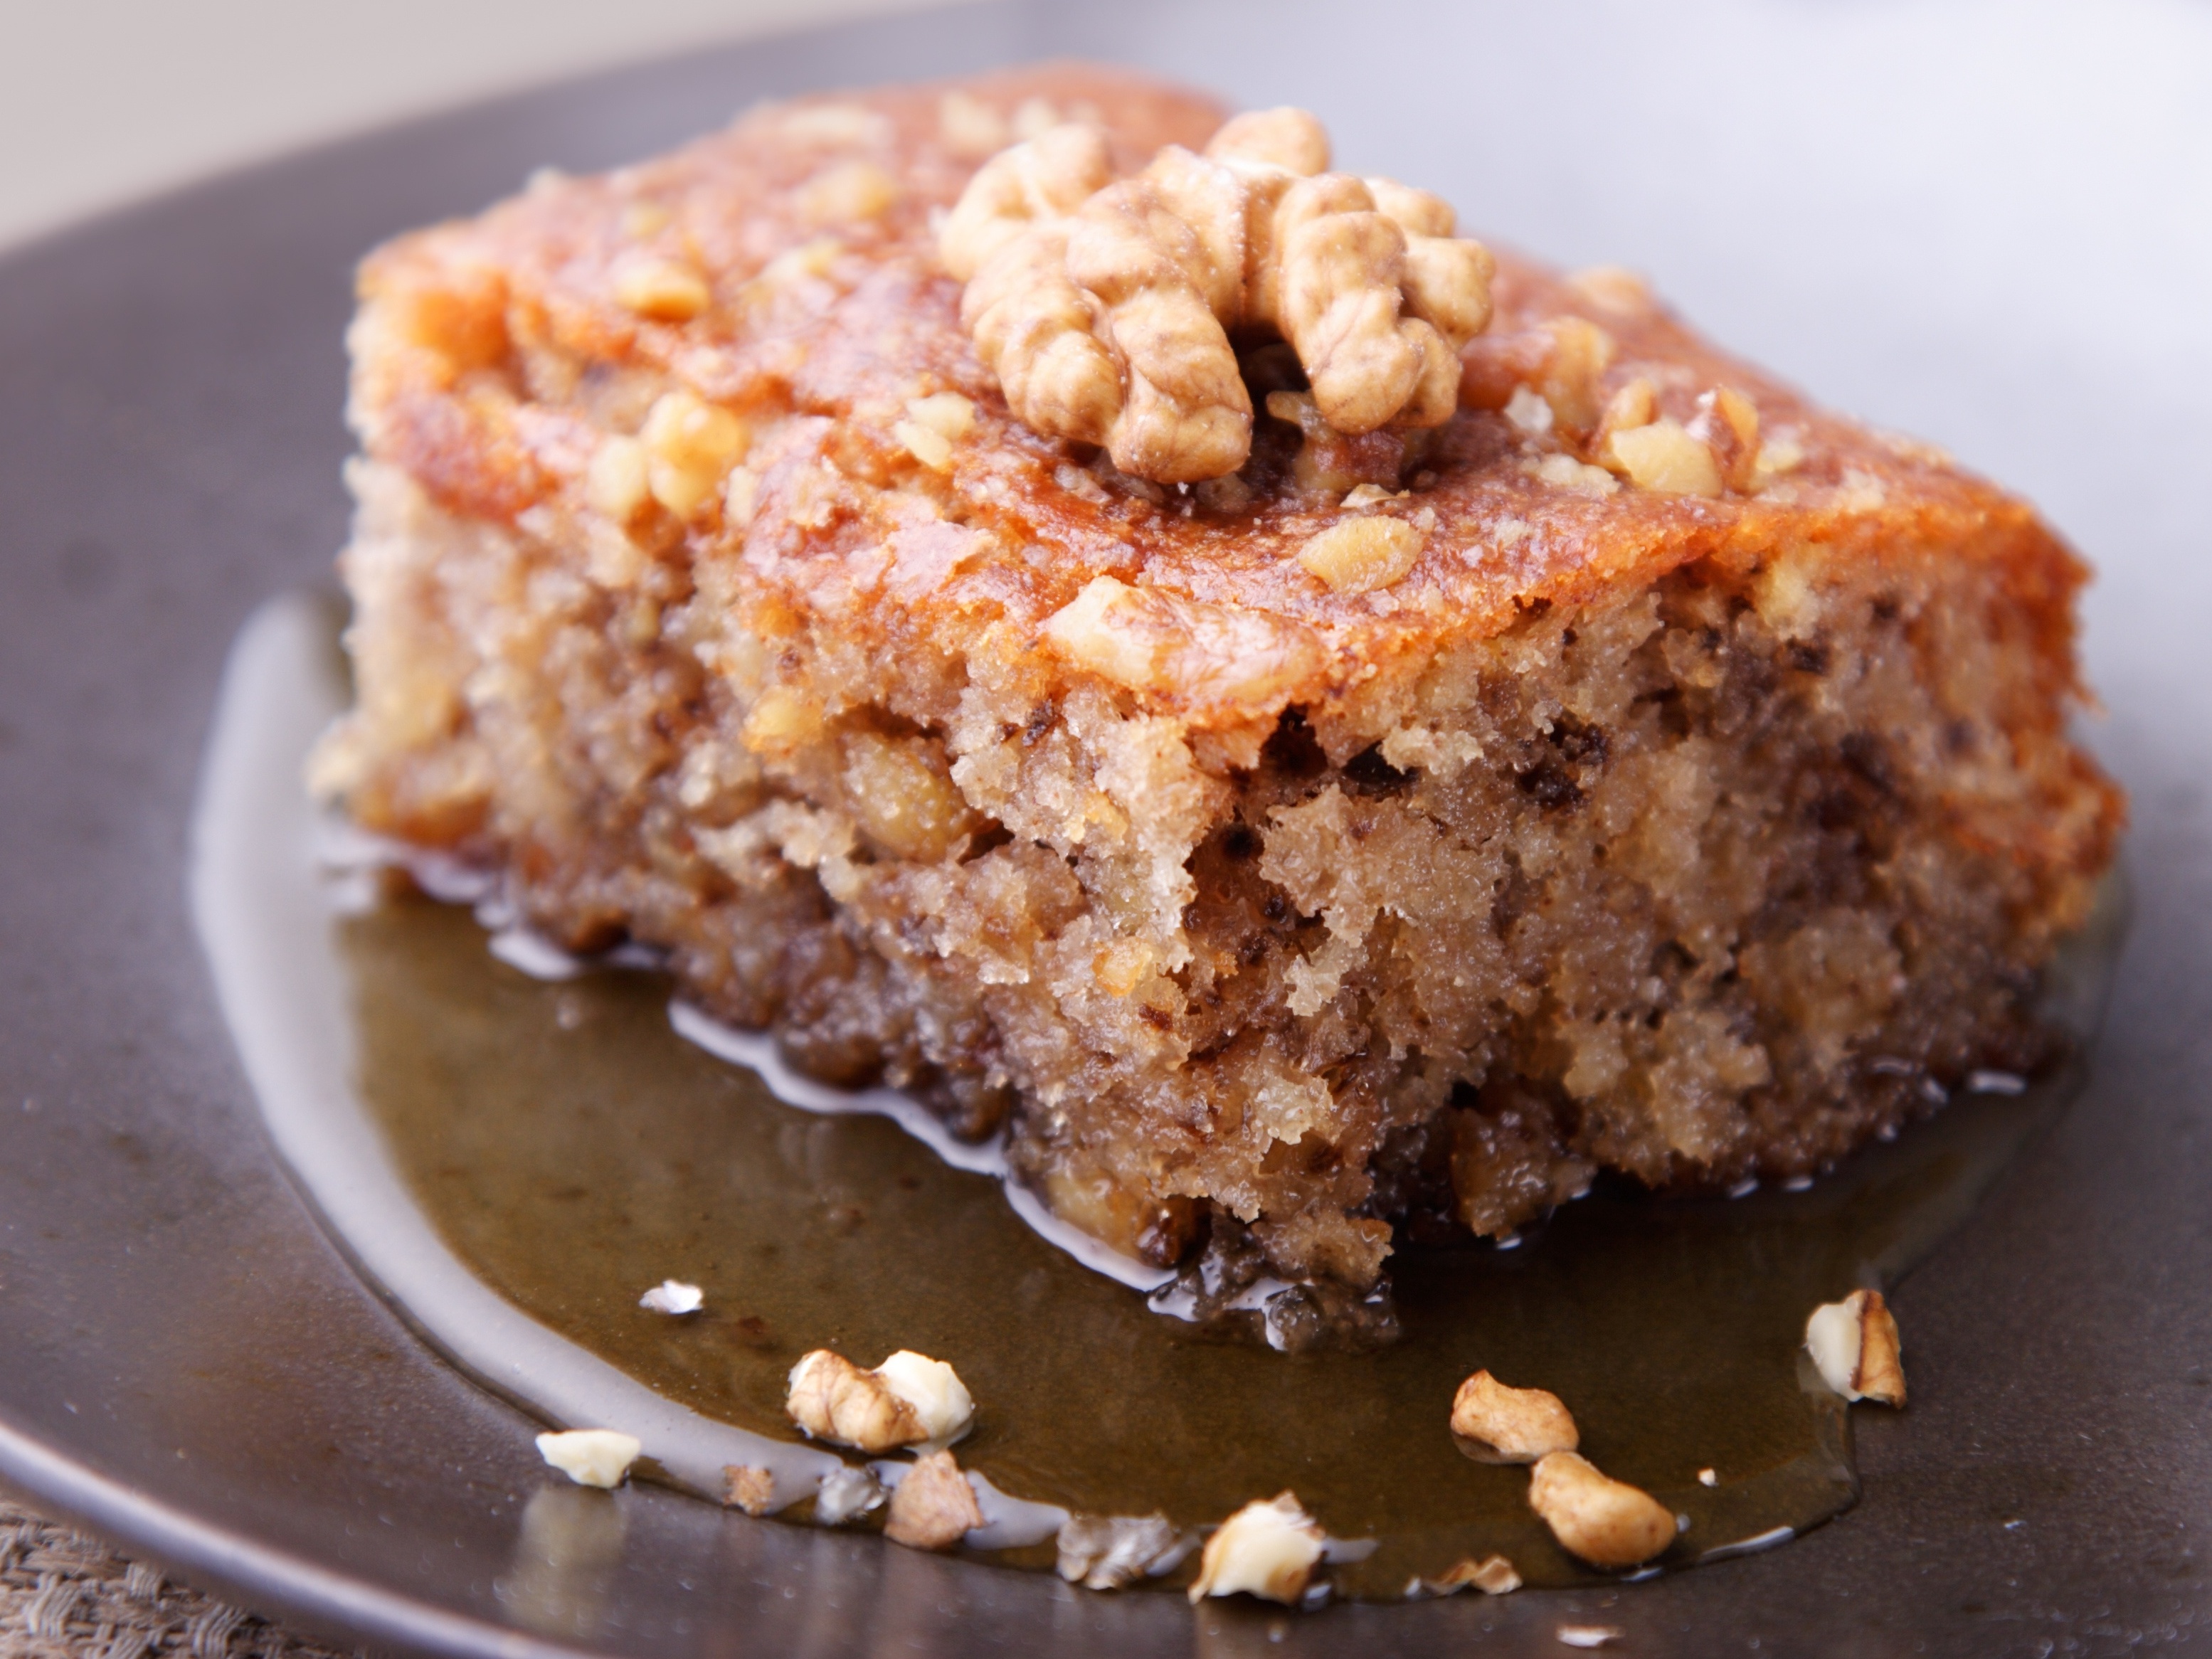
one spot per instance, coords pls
(103, 101)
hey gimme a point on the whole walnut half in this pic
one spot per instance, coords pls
(1105, 307)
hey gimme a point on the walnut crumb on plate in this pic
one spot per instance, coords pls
(591, 1457)
(672, 1296)
(1268, 1549)
(1855, 1347)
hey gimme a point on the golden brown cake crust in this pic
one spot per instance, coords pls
(1050, 789)
(550, 259)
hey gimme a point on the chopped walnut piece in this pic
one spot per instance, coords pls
(1493, 1576)
(932, 426)
(1106, 1551)
(1580, 354)
(1361, 496)
(910, 1400)
(1510, 1425)
(1105, 309)
(1032, 186)
(908, 805)
(690, 446)
(1588, 1636)
(1287, 138)
(1148, 640)
(746, 1487)
(616, 481)
(1777, 455)
(1854, 1344)
(1604, 1522)
(1339, 258)
(934, 1388)
(591, 1457)
(846, 1491)
(664, 290)
(1667, 456)
(1357, 556)
(947, 414)
(931, 448)
(1268, 1549)
(673, 1297)
(933, 1507)
(1727, 423)
(1563, 362)
(1496, 366)
(1528, 414)
(1636, 404)
(1565, 473)
(833, 1399)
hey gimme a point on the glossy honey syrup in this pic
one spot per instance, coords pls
(572, 1151)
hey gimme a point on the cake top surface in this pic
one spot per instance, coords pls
(785, 271)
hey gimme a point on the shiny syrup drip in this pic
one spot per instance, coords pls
(572, 1151)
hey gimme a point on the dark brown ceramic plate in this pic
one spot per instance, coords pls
(1982, 225)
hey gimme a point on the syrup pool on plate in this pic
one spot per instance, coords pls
(517, 1160)
(574, 1151)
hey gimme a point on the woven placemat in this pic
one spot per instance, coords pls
(64, 1595)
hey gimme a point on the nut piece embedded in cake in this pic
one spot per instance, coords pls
(691, 444)
(591, 1457)
(1498, 1424)
(662, 290)
(933, 1507)
(1268, 1549)
(1604, 1522)
(910, 1400)
(1357, 556)
(1854, 1344)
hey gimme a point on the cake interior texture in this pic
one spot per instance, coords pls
(705, 591)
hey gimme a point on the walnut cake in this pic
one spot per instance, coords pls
(1317, 733)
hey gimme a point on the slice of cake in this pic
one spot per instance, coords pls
(1394, 810)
